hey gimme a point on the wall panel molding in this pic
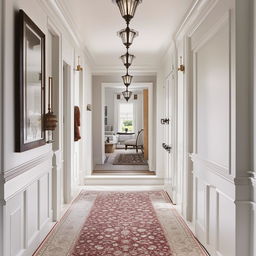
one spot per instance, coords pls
(13, 173)
(215, 168)
(28, 217)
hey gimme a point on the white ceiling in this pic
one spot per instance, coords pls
(97, 23)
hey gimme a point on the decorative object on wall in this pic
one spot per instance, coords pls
(135, 97)
(78, 67)
(50, 120)
(118, 97)
(127, 9)
(30, 92)
(89, 107)
(181, 66)
(77, 124)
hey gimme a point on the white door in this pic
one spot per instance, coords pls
(75, 175)
(166, 137)
(171, 184)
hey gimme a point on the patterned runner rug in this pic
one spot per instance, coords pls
(121, 224)
(130, 159)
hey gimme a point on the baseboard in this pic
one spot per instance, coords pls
(123, 180)
(39, 238)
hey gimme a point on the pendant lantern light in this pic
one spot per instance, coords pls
(127, 79)
(127, 94)
(127, 8)
(127, 35)
(127, 59)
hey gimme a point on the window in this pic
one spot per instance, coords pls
(126, 118)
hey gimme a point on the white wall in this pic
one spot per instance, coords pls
(26, 178)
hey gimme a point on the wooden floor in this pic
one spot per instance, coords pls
(123, 172)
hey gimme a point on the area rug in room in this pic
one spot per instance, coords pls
(130, 159)
(121, 224)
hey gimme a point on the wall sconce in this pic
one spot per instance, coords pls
(181, 66)
(50, 120)
(78, 67)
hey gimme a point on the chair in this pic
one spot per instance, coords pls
(136, 143)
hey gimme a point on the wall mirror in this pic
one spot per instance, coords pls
(30, 91)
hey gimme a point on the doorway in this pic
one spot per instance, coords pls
(125, 137)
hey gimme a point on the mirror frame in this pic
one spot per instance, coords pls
(20, 145)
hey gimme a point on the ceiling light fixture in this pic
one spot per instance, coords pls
(127, 8)
(127, 59)
(127, 94)
(127, 35)
(127, 79)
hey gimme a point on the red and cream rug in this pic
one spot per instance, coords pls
(121, 224)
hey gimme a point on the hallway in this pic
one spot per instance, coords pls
(122, 117)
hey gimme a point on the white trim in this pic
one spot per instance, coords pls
(54, 9)
(123, 180)
(2, 59)
(193, 17)
(17, 185)
(150, 88)
(69, 134)
(136, 70)
(212, 166)
(197, 45)
(12, 173)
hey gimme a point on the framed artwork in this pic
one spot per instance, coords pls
(30, 92)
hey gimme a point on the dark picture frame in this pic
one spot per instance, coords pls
(30, 84)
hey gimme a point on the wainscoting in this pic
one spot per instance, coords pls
(221, 181)
(28, 209)
(214, 208)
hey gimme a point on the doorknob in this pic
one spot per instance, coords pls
(167, 147)
(165, 121)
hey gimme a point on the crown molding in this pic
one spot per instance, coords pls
(197, 14)
(58, 9)
(56, 12)
(135, 70)
(197, 8)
